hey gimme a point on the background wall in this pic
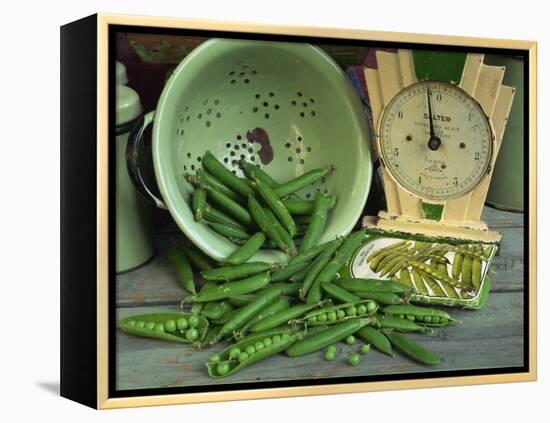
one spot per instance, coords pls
(29, 175)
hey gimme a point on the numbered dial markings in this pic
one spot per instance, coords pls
(451, 161)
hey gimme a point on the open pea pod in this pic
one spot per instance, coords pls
(180, 327)
(422, 315)
(336, 314)
(250, 350)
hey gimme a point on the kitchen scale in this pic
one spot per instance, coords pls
(438, 121)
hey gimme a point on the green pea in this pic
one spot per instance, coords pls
(330, 355)
(267, 342)
(354, 359)
(194, 321)
(332, 348)
(276, 339)
(150, 325)
(332, 316)
(341, 314)
(215, 358)
(401, 316)
(222, 368)
(435, 320)
(371, 306)
(234, 353)
(140, 324)
(350, 340)
(159, 327)
(322, 317)
(182, 324)
(131, 323)
(427, 319)
(365, 349)
(250, 349)
(410, 317)
(285, 337)
(312, 319)
(351, 311)
(170, 326)
(361, 309)
(243, 356)
(259, 346)
(191, 334)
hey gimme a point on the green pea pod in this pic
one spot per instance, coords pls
(229, 206)
(204, 178)
(376, 253)
(305, 207)
(198, 259)
(247, 250)
(332, 315)
(226, 177)
(226, 317)
(405, 278)
(241, 300)
(230, 273)
(254, 171)
(183, 269)
(301, 181)
(276, 205)
(419, 285)
(221, 365)
(432, 284)
(315, 270)
(229, 231)
(276, 307)
(420, 312)
(228, 289)
(286, 272)
(326, 337)
(285, 236)
(412, 349)
(301, 275)
(282, 317)
(339, 293)
(216, 309)
(249, 311)
(344, 253)
(376, 285)
(433, 273)
(260, 217)
(199, 201)
(457, 265)
(376, 338)
(213, 215)
(397, 323)
(162, 329)
(313, 252)
(476, 269)
(384, 298)
(317, 225)
(466, 272)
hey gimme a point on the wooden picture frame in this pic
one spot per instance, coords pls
(91, 292)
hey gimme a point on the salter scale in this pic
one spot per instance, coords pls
(436, 139)
(437, 142)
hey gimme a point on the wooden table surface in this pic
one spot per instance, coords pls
(487, 338)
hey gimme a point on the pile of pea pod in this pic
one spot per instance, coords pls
(263, 309)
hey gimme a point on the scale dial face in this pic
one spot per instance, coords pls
(438, 157)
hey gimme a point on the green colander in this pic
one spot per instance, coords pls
(287, 107)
